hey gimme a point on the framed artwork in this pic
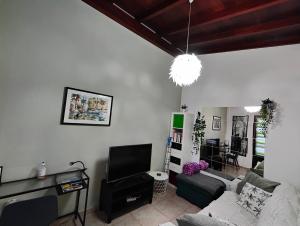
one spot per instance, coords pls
(239, 145)
(1, 169)
(216, 123)
(240, 126)
(82, 107)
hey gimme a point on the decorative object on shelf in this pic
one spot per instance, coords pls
(1, 170)
(184, 108)
(82, 107)
(267, 112)
(216, 123)
(186, 68)
(41, 172)
(198, 133)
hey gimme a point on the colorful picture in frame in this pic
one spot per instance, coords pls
(82, 107)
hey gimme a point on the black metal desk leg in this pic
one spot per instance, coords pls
(86, 200)
(77, 204)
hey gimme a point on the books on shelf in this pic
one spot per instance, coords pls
(69, 182)
(71, 186)
(177, 137)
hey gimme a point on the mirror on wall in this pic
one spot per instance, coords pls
(233, 142)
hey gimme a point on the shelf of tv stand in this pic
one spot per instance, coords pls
(113, 197)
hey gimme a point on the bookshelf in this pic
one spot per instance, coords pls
(181, 132)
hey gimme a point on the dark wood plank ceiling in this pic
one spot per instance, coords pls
(216, 25)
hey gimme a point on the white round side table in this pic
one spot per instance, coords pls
(160, 181)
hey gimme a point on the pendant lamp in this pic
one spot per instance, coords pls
(186, 68)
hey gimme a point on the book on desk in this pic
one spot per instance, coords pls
(69, 184)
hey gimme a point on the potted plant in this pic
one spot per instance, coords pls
(268, 108)
(198, 134)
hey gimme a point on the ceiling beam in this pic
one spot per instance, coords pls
(240, 10)
(159, 9)
(262, 28)
(242, 45)
(107, 7)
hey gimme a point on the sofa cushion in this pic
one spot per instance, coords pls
(226, 208)
(278, 212)
(287, 191)
(260, 166)
(257, 181)
(253, 199)
(201, 220)
(259, 169)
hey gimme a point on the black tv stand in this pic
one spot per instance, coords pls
(120, 197)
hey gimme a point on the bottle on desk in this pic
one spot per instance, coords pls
(41, 172)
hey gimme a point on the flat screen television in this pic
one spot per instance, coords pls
(127, 161)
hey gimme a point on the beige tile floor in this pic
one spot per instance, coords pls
(163, 209)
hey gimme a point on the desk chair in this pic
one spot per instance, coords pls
(234, 158)
(33, 212)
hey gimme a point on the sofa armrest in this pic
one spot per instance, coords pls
(233, 184)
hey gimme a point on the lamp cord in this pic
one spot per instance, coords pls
(188, 33)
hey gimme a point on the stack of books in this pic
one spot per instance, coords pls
(177, 137)
(70, 184)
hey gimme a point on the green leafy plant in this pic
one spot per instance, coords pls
(268, 108)
(199, 128)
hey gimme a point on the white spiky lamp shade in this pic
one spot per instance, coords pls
(185, 70)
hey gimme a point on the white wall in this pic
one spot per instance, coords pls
(46, 45)
(245, 78)
(208, 116)
(240, 111)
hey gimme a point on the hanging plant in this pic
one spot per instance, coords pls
(268, 108)
(199, 127)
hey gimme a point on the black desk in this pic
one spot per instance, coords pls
(29, 185)
(215, 155)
